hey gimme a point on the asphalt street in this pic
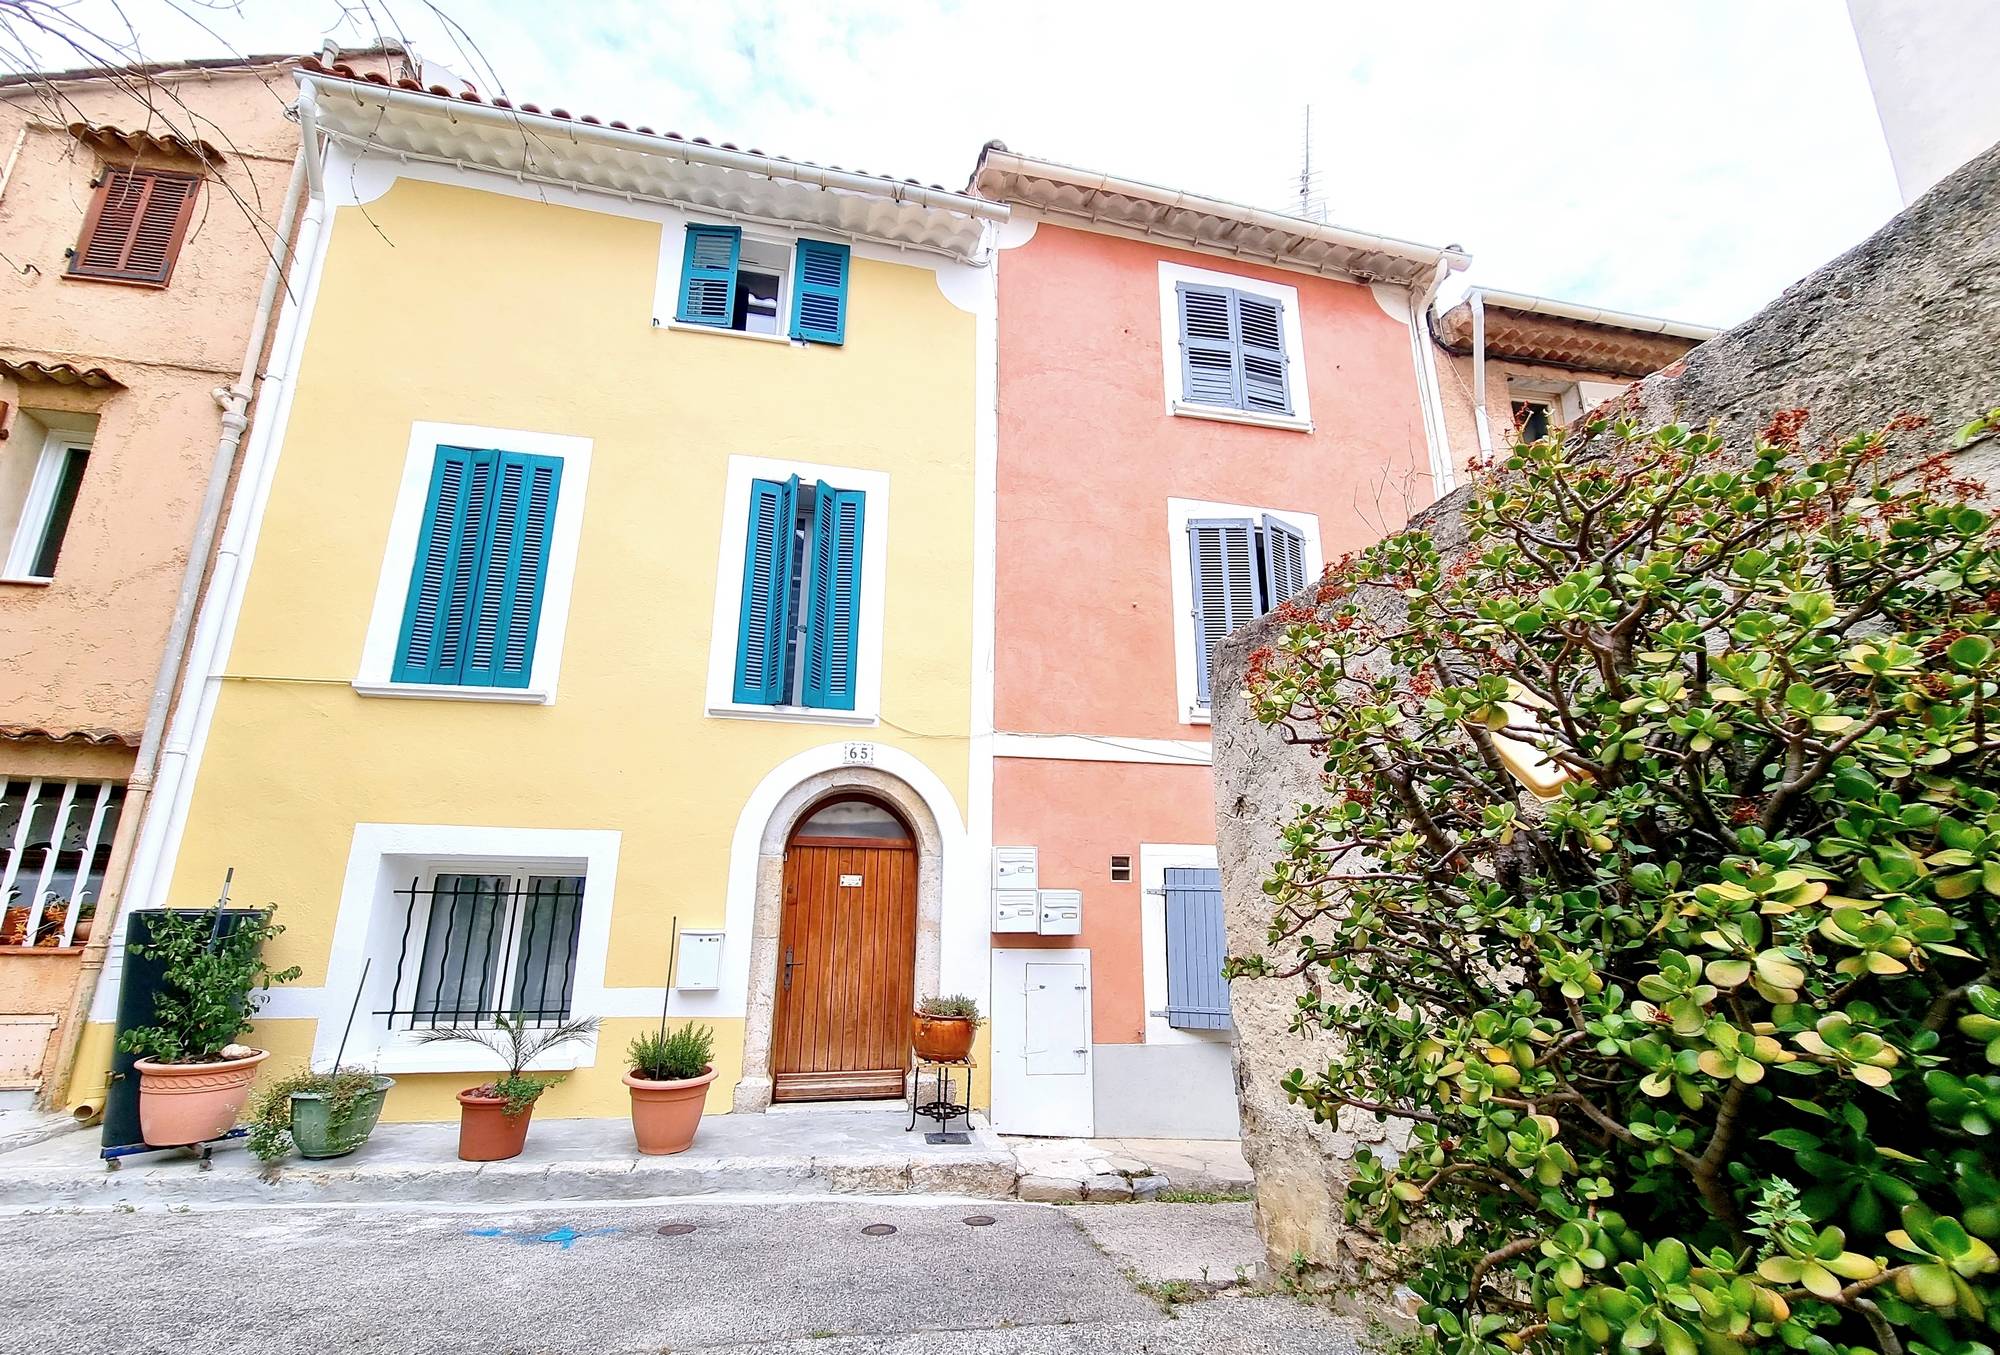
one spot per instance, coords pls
(684, 1275)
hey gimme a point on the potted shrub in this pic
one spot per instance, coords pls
(318, 1114)
(669, 1076)
(493, 1117)
(942, 1028)
(193, 1075)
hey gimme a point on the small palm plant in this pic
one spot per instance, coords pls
(518, 1044)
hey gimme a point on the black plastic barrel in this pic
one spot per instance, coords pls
(137, 989)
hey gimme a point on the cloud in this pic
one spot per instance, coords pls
(1687, 159)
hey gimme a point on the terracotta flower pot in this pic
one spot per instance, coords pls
(82, 933)
(486, 1132)
(942, 1039)
(666, 1114)
(183, 1103)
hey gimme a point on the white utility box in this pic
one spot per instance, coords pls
(699, 964)
(1016, 910)
(1016, 867)
(1061, 912)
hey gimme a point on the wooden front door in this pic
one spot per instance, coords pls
(847, 955)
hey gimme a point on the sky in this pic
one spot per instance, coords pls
(1685, 158)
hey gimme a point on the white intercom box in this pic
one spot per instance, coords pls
(1061, 912)
(1016, 867)
(1016, 910)
(699, 964)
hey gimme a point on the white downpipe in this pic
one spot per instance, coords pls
(207, 656)
(1479, 420)
(1430, 400)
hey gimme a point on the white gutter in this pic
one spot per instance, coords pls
(1430, 398)
(1318, 232)
(541, 124)
(235, 403)
(1479, 421)
(1592, 315)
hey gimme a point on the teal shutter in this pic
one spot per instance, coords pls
(1197, 994)
(819, 292)
(833, 612)
(500, 651)
(445, 575)
(765, 622)
(708, 275)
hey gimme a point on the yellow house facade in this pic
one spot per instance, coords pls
(601, 602)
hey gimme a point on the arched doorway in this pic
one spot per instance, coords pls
(847, 953)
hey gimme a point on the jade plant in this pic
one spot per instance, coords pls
(1652, 894)
(213, 979)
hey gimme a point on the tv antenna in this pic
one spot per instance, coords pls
(1311, 205)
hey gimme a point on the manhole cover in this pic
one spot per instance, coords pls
(980, 1221)
(675, 1229)
(879, 1229)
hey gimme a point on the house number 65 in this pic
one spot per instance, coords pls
(858, 754)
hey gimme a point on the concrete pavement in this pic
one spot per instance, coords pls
(776, 1275)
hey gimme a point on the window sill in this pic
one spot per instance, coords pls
(1197, 715)
(1289, 422)
(806, 715)
(25, 581)
(402, 1056)
(682, 327)
(424, 691)
(151, 284)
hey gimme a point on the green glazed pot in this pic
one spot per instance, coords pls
(315, 1133)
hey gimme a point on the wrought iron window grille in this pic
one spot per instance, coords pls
(477, 947)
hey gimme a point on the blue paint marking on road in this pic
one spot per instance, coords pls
(564, 1237)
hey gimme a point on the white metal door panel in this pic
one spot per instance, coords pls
(1042, 1074)
(1058, 1021)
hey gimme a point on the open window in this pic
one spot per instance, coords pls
(41, 477)
(752, 284)
(797, 644)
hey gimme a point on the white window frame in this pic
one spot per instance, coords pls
(392, 588)
(721, 693)
(367, 930)
(1172, 275)
(1563, 397)
(518, 871)
(1187, 652)
(667, 281)
(1155, 858)
(33, 523)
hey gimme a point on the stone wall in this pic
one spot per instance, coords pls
(1907, 322)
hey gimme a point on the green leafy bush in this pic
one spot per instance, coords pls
(672, 1055)
(957, 1006)
(344, 1089)
(210, 985)
(1699, 1052)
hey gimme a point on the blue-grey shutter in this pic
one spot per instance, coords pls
(1284, 561)
(708, 275)
(819, 292)
(444, 577)
(1222, 565)
(1210, 372)
(507, 608)
(765, 620)
(833, 614)
(1260, 332)
(1197, 994)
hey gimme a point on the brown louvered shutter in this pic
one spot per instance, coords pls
(135, 226)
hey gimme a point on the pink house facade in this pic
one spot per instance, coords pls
(1199, 405)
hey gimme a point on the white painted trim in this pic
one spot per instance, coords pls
(368, 924)
(392, 585)
(682, 327)
(1102, 748)
(33, 523)
(1179, 512)
(874, 485)
(964, 892)
(1171, 275)
(1154, 858)
(1017, 1107)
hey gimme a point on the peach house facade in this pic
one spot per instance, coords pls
(1199, 405)
(139, 211)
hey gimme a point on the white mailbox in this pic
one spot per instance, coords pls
(1016, 910)
(699, 964)
(1061, 912)
(1016, 867)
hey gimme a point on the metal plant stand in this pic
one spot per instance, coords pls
(941, 1107)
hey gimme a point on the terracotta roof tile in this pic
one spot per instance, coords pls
(340, 70)
(95, 735)
(33, 373)
(115, 140)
